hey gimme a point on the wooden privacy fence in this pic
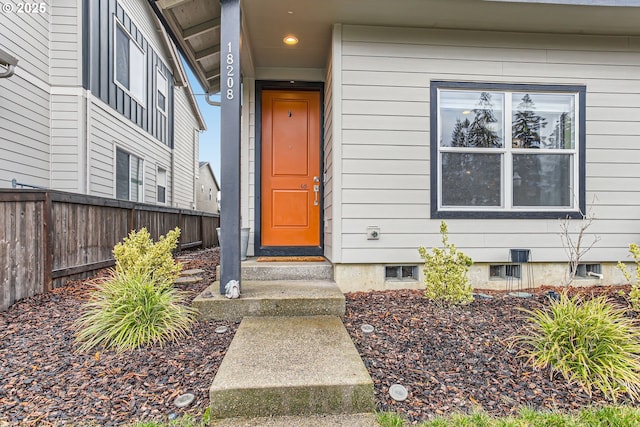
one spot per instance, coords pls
(48, 237)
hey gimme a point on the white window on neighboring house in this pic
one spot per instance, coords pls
(162, 90)
(210, 194)
(129, 177)
(129, 64)
(503, 150)
(161, 182)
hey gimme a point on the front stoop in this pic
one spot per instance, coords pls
(272, 298)
(291, 366)
(254, 270)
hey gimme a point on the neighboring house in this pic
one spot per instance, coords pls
(500, 117)
(99, 103)
(206, 189)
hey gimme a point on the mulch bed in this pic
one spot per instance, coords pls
(449, 359)
(457, 359)
(44, 381)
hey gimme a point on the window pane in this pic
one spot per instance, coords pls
(542, 180)
(136, 179)
(543, 121)
(122, 57)
(138, 73)
(122, 175)
(471, 119)
(162, 89)
(471, 179)
(162, 185)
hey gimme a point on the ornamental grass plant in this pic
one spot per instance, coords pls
(138, 305)
(590, 342)
(132, 310)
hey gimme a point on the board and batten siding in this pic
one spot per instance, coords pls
(384, 148)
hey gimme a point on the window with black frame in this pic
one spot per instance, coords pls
(506, 150)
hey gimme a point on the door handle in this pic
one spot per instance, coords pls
(316, 190)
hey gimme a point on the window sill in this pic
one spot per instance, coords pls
(505, 215)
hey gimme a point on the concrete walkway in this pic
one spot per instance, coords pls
(290, 366)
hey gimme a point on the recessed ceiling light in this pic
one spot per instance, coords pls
(290, 40)
(290, 12)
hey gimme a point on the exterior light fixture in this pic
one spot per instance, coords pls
(290, 40)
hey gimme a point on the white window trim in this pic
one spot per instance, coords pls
(115, 175)
(132, 42)
(507, 152)
(159, 76)
(166, 179)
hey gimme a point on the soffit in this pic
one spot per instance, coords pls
(196, 24)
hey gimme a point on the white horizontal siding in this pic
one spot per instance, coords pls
(385, 79)
(185, 151)
(27, 36)
(67, 161)
(24, 131)
(66, 43)
(328, 164)
(108, 130)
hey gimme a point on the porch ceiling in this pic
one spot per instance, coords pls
(196, 24)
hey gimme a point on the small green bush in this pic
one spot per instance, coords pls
(589, 342)
(139, 255)
(138, 305)
(132, 310)
(634, 293)
(445, 272)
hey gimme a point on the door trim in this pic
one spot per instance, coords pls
(260, 250)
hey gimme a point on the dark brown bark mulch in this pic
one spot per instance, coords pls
(449, 359)
(44, 381)
(456, 359)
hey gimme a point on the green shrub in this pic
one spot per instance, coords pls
(139, 255)
(445, 272)
(589, 342)
(138, 305)
(132, 310)
(634, 294)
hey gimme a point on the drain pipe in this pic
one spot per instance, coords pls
(211, 101)
(594, 274)
(8, 61)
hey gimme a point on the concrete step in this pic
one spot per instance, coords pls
(251, 269)
(272, 298)
(342, 420)
(279, 366)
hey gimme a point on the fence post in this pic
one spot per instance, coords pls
(181, 225)
(47, 241)
(132, 216)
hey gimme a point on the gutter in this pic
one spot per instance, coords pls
(8, 61)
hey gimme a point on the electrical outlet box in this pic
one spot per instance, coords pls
(373, 232)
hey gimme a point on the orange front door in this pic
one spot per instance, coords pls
(290, 170)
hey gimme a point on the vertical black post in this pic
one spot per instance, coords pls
(230, 141)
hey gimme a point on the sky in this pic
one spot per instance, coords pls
(209, 139)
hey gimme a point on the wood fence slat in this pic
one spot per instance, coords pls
(48, 237)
